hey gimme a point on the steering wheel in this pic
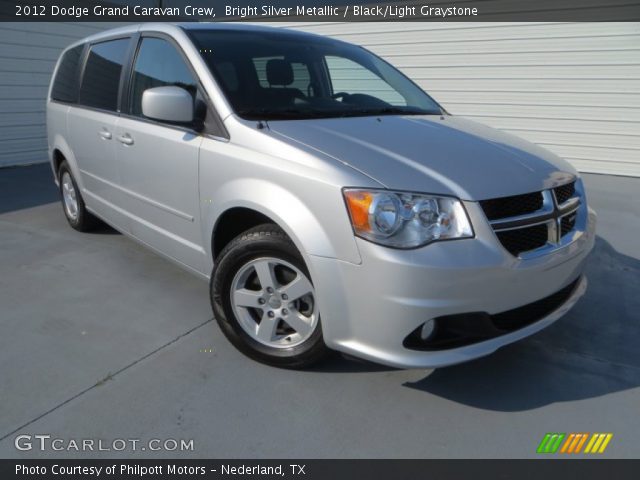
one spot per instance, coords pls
(342, 95)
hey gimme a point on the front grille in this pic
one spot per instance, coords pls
(528, 222)
(496, 208)
(565, 192)
(567, 224)
(532, 312)
(524, 239)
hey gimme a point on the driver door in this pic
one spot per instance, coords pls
(158, 161)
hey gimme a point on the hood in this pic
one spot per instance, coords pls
(432, 154)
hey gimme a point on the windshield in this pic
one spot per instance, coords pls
(284, 75)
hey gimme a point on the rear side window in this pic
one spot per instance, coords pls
(101, 78)
(66, 83)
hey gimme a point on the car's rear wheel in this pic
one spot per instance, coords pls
(72, 202)
(264, 300)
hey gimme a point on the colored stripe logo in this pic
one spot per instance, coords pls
(573, 443)
(598, 443)
(550, 442)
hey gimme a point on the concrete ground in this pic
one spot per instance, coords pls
(101, 339)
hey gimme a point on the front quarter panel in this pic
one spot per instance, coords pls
(300, 192)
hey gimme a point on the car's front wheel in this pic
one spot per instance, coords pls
(264, 300)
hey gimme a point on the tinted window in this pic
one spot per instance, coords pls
(286, 75)
(229, 75)
(350, 77)
(158, 64)
(101, 77)
(300, 80)
(65, 85)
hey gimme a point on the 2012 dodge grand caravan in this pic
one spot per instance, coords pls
(330, 201)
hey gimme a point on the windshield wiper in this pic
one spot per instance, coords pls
(282, 114)
(301, 114)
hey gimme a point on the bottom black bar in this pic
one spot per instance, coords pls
(320, 469)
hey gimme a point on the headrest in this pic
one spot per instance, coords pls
(279, 72)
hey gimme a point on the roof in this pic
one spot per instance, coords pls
(173, 28)
(248, 28)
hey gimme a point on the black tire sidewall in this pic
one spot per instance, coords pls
(239, 253)
(83, 221)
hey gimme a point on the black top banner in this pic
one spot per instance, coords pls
(320, 10)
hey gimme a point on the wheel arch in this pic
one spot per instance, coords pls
(232, 223)
(256, 200)
(60, 152)
(58, 158)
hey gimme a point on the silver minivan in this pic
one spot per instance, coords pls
(330, 202)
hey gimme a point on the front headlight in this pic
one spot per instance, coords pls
(405, 220)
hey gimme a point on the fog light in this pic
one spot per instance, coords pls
(428, 330)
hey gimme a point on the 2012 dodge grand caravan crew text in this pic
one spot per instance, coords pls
(332, 203)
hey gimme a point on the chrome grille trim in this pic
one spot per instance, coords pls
(552, 214)
(528, 219)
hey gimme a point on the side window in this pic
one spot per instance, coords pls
(301, 77)
(158, 64)
(65, 85)
(351, 77)
(101, 77)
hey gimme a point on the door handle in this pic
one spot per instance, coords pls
(105, 135)
(125, 139)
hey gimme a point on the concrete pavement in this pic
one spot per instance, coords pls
(102, 339)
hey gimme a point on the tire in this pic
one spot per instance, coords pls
(73, 204)
(253, 318)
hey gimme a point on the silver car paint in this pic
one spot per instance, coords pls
(434, 154)
(168, 189)
(167, 103)
(394, 291)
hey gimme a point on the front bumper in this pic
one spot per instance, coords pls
(369, 309)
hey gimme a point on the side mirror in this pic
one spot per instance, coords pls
(170, 104)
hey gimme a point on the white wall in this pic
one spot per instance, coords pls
(573, 88)
(28, 52)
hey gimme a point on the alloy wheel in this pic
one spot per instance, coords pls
(69, 196)
(274, 302)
